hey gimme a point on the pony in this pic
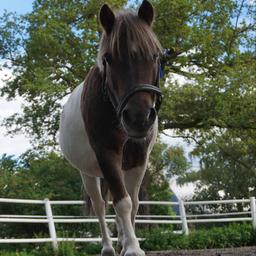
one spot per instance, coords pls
(109, 124)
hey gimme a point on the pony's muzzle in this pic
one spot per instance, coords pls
(138, 121)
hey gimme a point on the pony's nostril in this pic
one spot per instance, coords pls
(139, 119)
(152, 115)
(126, 116)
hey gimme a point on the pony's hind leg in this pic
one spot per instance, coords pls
(119, 245)
(92, 186)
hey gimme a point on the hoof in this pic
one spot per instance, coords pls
(108, 251)
(133, 252)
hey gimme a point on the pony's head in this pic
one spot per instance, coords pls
(129, 61)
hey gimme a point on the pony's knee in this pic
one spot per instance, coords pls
(124, 206)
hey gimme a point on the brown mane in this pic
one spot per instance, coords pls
(129, 33)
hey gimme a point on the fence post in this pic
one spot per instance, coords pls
(183, 217)
(51, 225)
(253, 211)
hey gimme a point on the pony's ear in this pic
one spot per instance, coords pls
(146, 12)
(107, 18)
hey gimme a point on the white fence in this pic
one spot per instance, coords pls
(183, 219)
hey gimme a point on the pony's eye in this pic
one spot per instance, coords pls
(155, 57)
(108, 58)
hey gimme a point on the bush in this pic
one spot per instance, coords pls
(234, 235)
(65, 249)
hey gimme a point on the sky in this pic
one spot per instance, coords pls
(19, 6)
(10, 145)
(18, 144)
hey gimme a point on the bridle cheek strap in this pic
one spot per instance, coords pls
(119, 107)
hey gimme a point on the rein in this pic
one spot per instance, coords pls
(119, 106)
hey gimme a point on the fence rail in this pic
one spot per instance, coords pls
(183, 219)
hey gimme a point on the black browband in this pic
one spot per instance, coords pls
(119, 107)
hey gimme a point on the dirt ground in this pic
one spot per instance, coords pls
(243, 251)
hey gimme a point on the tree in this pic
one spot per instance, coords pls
(36, 176)
(215, 105)
(52, 49)
(210, 45)
(227, 152)
(227, 167)
(155, 185)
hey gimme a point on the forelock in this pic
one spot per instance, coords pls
(130, 37)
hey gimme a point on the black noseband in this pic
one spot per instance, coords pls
(140, 88)
(119, 106)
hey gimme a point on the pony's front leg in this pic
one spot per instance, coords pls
(131, 245)
(111, 167)
(92, 186)
(133, 179)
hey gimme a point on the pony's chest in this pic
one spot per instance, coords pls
(134, 154)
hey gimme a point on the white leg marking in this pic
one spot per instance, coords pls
(120, 235)
(131, 245)
(92, 185)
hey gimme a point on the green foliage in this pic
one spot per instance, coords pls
(227, 167)
(50, 49)
(211, 44)
(64, 249)
(155, 184)
(93, 248)
(37, 177)
(177, 161)
(47, 175)
(234, 235)
(214, 106)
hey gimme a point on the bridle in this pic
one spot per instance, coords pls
(119, 106)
